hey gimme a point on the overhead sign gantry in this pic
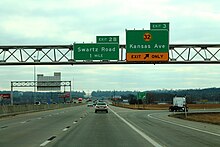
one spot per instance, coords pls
(142, 47)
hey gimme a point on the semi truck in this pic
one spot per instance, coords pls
(179, 104)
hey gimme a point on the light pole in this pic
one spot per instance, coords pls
(34, 81)
(72, 96)
(73, 84)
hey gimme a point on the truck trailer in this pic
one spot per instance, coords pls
(179, 104)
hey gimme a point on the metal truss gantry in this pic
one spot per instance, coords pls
(39, 83)
(64, 54)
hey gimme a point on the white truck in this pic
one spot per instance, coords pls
(179, 104)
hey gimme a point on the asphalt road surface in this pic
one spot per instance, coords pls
(80, 127)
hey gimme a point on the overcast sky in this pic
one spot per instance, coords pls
(62, 22)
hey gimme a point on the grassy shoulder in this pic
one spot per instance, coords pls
(206, 117)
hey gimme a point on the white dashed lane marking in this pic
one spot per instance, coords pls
(47, 141)
(65, 129)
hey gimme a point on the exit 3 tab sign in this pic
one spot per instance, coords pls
(159, 26)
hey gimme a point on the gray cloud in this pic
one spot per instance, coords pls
(68, 21)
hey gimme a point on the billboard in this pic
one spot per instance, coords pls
(64, 95)
(49, 83)
(5, 96)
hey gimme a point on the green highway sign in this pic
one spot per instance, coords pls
(107, 39)
(159, 26)
(96, 51)
(147, 41)
(141, 95)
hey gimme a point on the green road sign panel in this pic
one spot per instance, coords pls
(107, 39)
(147, 41)
(141, 95)
(159, 26)
(99, 51)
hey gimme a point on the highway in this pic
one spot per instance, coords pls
(80, 126)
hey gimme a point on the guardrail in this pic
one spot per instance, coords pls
(164, 106)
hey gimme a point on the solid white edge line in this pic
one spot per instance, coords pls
(154, 143)
(23, 122)
(150, 115)
(45, 143)
(65, 129)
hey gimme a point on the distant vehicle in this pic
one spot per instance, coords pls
(37, 103)
(88, 100)
(80, 100)
(179, 104)
(90, 104)
(101, 106)
(125, 101)
(94, 102)
(68, 102)
(45, 103)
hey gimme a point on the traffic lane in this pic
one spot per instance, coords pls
(15, 121)
(32, 115)
(38, 129)
(98, 130)
(165, 133)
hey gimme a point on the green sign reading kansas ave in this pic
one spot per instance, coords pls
(147, 41)
(159, 26)
(93, 51)
(107, 39)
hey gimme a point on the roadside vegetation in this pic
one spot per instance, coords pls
(211, 117)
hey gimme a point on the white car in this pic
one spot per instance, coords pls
(101, 106)
(90, 104)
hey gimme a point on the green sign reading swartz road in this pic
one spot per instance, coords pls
(98, 51)
(150, 41)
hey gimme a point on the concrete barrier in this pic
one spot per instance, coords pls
(7, 110)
